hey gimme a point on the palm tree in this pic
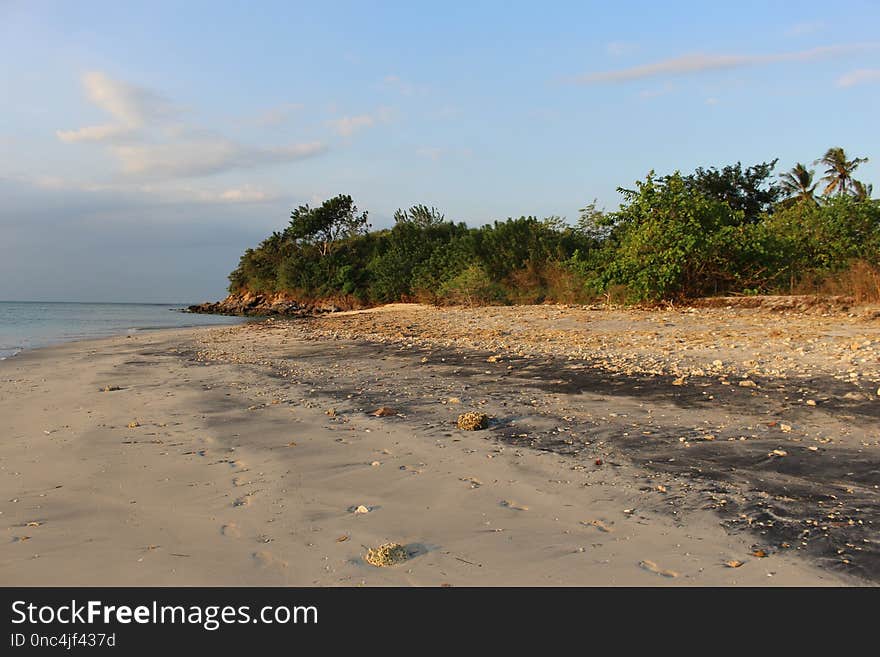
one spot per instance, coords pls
(798, 184)
(838, 175)
(863, 191)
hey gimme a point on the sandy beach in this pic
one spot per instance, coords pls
(705, 446)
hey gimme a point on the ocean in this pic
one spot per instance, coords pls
(30, 324)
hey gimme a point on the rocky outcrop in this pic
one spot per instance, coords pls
(251, 304)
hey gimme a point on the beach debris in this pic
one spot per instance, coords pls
(473, 481)
(494, 359)
(456, 400)
(375, 464)
(747, 383)
(110, 388)
(472, 421)
(134, 424)
(785, 428)
(387, 554)
(761, 554)
(733, 563)
(811, 402)
(330, 412)
(779, 453)
(514, 505)
(657, 570)
(343, 538)
(384, 411)
(359, 509)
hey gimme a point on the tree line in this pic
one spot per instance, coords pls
(730, 230)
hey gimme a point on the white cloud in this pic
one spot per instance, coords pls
(700, 62)
(148, 144)
(859, 76)
(132, 107)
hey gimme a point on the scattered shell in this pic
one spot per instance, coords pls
(360, 509)
(657, 570)
(733, 563)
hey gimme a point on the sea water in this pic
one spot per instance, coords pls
(31, 324)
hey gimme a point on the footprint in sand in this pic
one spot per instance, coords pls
(266, 559)
(244, 500)
(231, 530)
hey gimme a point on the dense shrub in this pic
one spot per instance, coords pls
(716, 231)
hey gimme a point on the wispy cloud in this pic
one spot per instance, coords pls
(702, 62)
(205, 156)
(148, 144)
(132, 108)
(859, 76)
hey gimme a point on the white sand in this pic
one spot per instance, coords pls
(231, 479)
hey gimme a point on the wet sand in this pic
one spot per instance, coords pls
(615, 456)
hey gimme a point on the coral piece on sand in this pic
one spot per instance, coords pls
(388, 554)
(472, 421)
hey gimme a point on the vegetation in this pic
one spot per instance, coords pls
(734, 230)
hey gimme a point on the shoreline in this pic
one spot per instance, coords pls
(251, 443)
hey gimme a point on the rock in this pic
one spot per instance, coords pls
(473, 421)
(747, 383)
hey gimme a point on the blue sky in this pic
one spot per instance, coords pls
(143, 147)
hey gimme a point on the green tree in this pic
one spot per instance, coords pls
(839, 172)
(336, 219)
(750, 190)
(420, 215)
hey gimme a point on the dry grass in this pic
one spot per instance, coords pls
(860, 281)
